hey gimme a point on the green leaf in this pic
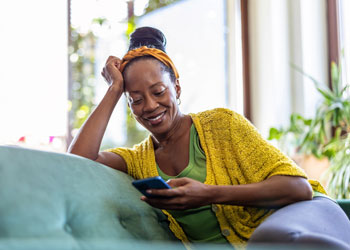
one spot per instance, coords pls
(274, 133)
(346, 179)
(329, 153)
(335, 77)
(343, 90)
(337, 105)
(99, 20)
(340, 173)
(337, 133)
(308, 122)
(327, 94)
(297, 68)
(333, 182)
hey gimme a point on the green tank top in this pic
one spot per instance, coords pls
(199, 224)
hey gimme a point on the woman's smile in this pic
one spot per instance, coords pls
(156, 119)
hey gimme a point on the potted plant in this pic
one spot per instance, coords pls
(325, 136)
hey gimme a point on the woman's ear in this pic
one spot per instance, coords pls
(177, 88)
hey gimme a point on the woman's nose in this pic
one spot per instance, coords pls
(150, 104)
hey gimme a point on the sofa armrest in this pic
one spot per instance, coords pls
(345, 205)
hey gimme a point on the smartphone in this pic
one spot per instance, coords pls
(156, 182)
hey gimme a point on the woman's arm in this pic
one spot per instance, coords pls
(273, 192)
(88, 140)
(276, 191)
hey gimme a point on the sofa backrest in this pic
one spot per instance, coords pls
(345, 205)
(67, 197)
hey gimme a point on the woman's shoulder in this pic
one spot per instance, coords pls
(138, 158)
(217, 115)
(145, 145)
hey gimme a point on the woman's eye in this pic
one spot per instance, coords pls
(159, 93)
(137, 101)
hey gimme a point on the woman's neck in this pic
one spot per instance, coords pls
(181, 125)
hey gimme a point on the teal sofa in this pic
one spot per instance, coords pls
(62, 201)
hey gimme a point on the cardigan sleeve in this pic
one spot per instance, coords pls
(140, 159)
(258, 158)
(128, 155)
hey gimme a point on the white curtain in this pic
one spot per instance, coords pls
(282, 32)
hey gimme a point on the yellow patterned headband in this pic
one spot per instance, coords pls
(143, 51)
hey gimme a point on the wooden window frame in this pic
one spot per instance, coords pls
(245, 60)
(333, 35)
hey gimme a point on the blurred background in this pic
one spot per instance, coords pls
(283, 64)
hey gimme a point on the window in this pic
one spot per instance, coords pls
(33, 79)
(344, 32)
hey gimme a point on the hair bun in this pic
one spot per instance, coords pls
(147, 36)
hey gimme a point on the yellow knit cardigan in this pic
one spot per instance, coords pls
(236, 154)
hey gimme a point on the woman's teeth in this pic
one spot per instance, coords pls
(156, 118)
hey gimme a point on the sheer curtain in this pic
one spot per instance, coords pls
(205, 46)
(344, 23)
(284, 32)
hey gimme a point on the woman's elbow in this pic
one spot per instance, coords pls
(298, 189)
(88, 155)
(304, 190)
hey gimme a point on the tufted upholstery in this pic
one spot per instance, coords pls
(50, 198)
(60, 201)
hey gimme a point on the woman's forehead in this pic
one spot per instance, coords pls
(143, 63)
(144, 74)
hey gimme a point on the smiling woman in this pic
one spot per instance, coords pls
(225, 178)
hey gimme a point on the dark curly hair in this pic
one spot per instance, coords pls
(152, 38)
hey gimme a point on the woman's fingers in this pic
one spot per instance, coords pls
(166, 203)
(165, 192)
(114, 61)
(111, 58)
(111, 72)
(179, 187)
(185, 193)
(179, 182)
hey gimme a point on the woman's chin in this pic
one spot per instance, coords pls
(158, 128)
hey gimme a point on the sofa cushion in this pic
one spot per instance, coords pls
(67, 197)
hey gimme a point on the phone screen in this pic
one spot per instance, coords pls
(150, 183)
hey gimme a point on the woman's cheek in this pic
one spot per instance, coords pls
(135, 111)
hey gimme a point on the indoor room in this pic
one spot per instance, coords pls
(145, 124)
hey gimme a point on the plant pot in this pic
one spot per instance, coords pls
(315, 168)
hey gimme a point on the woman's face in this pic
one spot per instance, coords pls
(152, 96)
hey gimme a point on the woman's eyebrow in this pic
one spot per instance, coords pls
(134, 91)
(155, 84)
(150, 87)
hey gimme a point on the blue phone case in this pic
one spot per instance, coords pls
(150, 183)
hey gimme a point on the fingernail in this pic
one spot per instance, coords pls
(149, 191)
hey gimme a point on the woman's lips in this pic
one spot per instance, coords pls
(156, 120)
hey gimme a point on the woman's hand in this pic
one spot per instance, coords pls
(185, 193)
(274, 192)
(111, 72)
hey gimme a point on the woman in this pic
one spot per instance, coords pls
(226, 178)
